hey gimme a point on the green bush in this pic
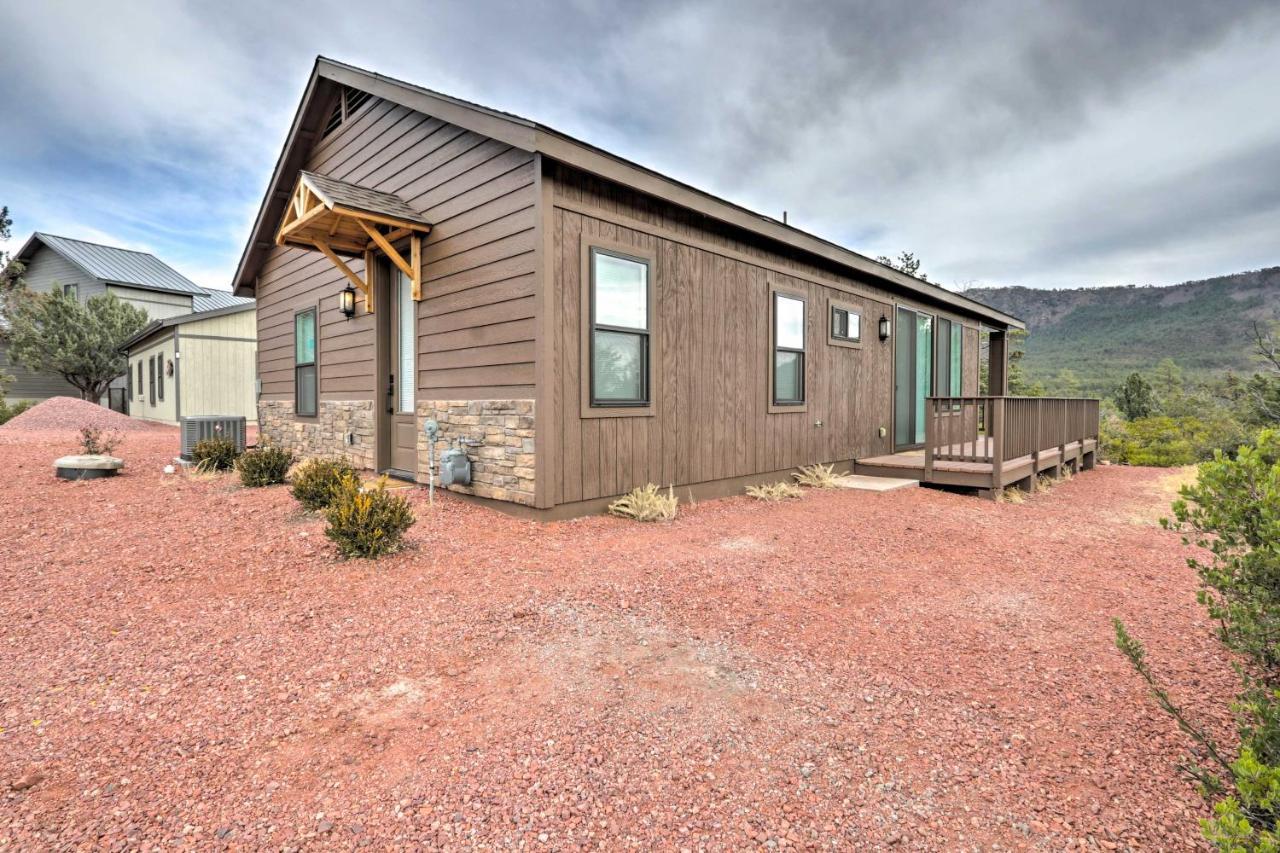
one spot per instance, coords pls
(214, 454)
(366, 522)
(315, 479)
(1166, 442)
(264, 466)
(9, 411)
(1232, 511)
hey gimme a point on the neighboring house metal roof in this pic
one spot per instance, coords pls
(537, 138)
(212, 300)
(241, 304)
(335, 193)
(114, 265)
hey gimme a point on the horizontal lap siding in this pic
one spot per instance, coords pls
(475, 322)
(712, 361)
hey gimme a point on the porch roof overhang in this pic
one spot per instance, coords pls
(340, 219)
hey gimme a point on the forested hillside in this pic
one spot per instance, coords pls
(1104, 333)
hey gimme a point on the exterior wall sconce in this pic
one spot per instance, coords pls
(884, 328)
(347, 301)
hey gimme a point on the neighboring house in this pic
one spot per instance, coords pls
(195, 364)
(90, 269)
(587, 325)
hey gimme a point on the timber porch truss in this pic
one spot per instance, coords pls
(337, 218)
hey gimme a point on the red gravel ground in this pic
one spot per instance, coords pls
(185, 661)
(70, 413)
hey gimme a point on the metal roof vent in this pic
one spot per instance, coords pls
(212, 426)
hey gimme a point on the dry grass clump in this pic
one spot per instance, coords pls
(646, 503)
(775, 491)
(817, 476)
(1012, 495)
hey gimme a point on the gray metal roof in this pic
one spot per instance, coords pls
(342, 194)
(119, 266)
(212, 300)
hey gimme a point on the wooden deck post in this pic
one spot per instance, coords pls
(930, 435)
(997, 445)
(1035, 447)
(998, 363)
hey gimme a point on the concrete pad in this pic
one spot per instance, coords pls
(874, 484)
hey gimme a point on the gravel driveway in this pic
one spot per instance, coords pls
(186, 662)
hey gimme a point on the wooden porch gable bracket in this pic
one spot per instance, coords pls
(337, 218)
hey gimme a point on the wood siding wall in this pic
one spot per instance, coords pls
(712, 364)
(158, 304)
(475, 326)
(140, 405)
(217, 366)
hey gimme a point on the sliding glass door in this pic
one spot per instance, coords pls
(912, 376)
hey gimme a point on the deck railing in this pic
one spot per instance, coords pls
(996, 430)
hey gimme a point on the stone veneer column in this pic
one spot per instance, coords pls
(498, 438)
(324, 435)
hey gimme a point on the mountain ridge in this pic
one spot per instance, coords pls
(1104, 333)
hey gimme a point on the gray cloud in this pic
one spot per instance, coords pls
(1041, 143)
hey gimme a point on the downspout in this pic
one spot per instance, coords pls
(177, 376)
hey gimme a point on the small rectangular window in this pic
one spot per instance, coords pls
(160, 376)
(846, 325)
(788, 350)
(619, 330)
(304, 363)
(72, 290)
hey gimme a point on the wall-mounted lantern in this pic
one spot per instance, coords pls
(884, 328)
(347, 301)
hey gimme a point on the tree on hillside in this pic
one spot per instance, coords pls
(1135, 399)
(54, 333)
(1019, 385)
(10, 270)
(906, 262)
(1262, 391)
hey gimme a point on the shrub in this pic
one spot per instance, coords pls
(9, 411)
(817, 476)
(1166, 442)
(95, 442)
(366, 522)
(315, 479)
(214, 454)
(1232, 511)
(265, 466)
(775, 491)
(646, 503)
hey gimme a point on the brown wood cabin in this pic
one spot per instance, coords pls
(580, 325)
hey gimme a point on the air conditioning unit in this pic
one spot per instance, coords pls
(211, 426)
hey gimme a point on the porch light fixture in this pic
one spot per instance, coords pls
(347, 301)
(884, 328)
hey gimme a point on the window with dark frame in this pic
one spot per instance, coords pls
(620, 325)
(139, 378)
(949, 360)
(304, 363)
(846, 325)
(72, 290)
(160, 376)
(128, 375)
(151, 379)
(788, 349)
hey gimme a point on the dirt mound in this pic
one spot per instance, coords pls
(68, 413)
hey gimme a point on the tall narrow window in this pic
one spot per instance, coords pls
(406, 344)
(619, 330)
(128, 375)
(139, 378)
(160, 376)
(151, 379)
(957, 360)
(304, 363)
(788, 350)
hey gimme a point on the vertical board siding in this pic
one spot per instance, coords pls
(711, 419)
(475, 321)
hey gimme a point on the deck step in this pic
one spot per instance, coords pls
(865, 483)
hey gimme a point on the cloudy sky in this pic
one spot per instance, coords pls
(1051, 144)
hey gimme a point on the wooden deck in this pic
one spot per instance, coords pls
(990, 443)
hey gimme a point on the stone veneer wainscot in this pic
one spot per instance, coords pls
(501, 437)
(324, 435)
